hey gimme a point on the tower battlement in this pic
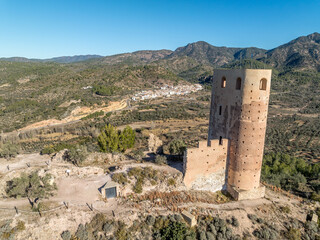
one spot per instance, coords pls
(199, 163)
(238, 113)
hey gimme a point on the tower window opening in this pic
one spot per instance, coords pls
(263, 84)
(223, 82)
(238, 84)
(220, 110)
(220, 141)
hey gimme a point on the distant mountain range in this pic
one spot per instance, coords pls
(301, 53)
(64, 59)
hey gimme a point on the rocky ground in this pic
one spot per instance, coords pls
(78, 199)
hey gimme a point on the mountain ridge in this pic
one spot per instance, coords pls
(301, 53)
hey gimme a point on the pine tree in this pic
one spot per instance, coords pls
(109, 139)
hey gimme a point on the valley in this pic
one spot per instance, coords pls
(57, 117)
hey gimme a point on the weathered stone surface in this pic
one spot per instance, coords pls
(154, 143)
(189, 218)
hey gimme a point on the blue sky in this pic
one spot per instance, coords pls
(50, 28)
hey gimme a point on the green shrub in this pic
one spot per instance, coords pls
(76, 155)
(122, 232)
(135, 172)
(315, 197)
(93, 115)
(56, 148)
(66, 235)
(177, 147)
(285, 209)
(138, 187)
(175, 231)
(39, 207)
(9, 150)
(171, 182)
(289, 173)
(234, 221)
(32, 186)
(161, 160)
(120, 178)
(82, 233)
(105, 90)
(20, 226)
(293, 234)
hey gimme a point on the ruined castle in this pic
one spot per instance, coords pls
(231, 158)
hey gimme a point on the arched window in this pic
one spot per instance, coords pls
(263, 84)
(238, 84)
(223, 82)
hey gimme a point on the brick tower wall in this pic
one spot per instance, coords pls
(239, 113)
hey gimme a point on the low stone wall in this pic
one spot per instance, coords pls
(247, 194)
(205, 166)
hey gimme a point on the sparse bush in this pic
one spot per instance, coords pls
(82, 233)
(253, 218)
(122, 233)
(177, 147)
(39, 207)
(20, 226)
(55, 148)
(93, 115)
(137, 154)
(285, 209)
(234, 221)
(120, 178)
(266, 233)
(171, 182)
(66, 235)
(76, 155)
(9, 150)
(161, 159)
(150, 220)
(138, 187)
(7, 232)
(108, 227)
(293, 234)
(135, 172)
(175, 231)
(31, 186)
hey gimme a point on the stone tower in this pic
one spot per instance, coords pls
(237, 125)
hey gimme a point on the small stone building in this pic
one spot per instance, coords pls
(189, 218)
(109, 190)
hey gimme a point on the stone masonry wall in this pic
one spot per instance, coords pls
(205, 166)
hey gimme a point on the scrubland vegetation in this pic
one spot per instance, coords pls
(32, 186)
(292, 174)
(175, 228)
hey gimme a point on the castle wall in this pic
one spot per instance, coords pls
(205, 166)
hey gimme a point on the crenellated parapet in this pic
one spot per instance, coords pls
(208, 160)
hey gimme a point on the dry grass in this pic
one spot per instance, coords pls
(172, 200)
